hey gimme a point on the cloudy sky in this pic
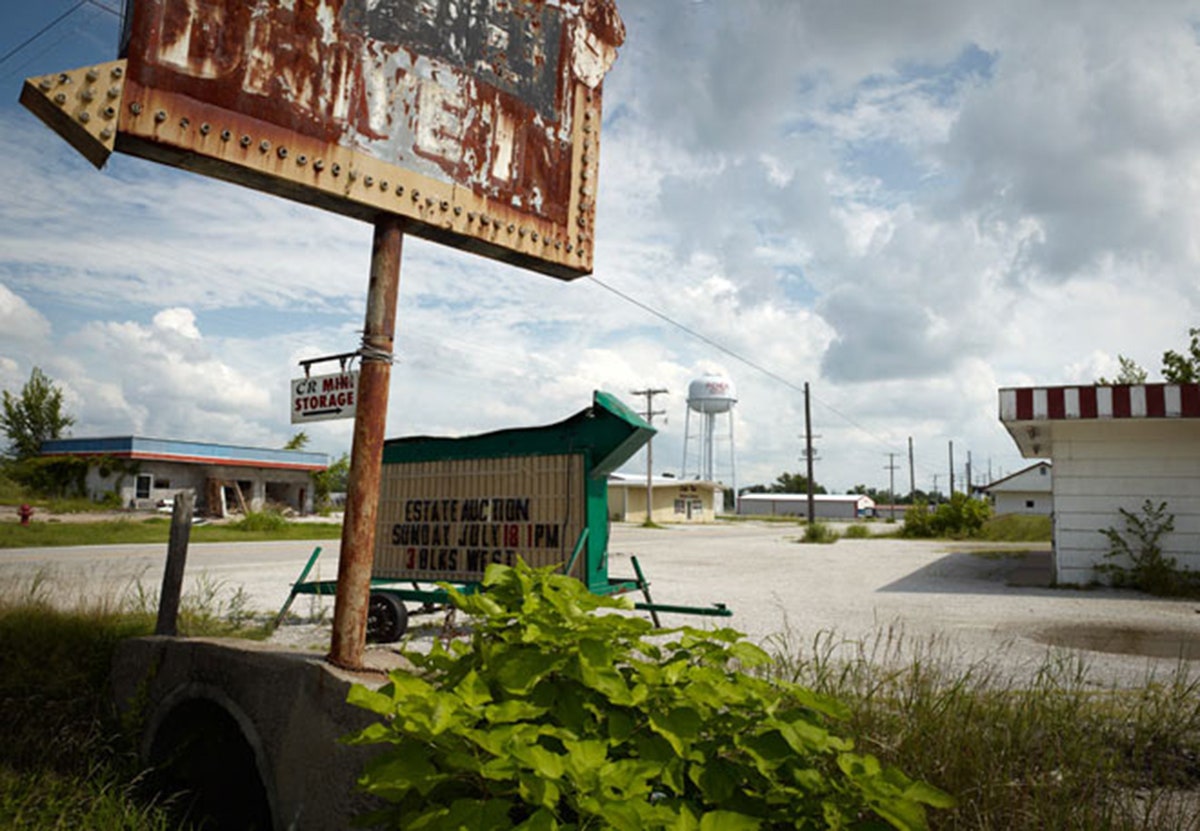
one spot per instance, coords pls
(906, 204)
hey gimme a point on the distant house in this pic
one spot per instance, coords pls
(145, 471)
(846, 506)
(675, 500)
(1028, 491)
(1112, 447)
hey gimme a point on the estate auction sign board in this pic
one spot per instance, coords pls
(324, 397)
(449, 520)
(476, 120)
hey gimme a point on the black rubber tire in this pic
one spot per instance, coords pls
(387, 618)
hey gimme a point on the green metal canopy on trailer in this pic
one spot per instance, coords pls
(449, 507)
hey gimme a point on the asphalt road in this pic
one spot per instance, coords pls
(930, 597)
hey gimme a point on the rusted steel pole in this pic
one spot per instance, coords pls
(366, 454)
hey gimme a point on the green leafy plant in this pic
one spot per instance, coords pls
(1138, 552)
(961, 516)
(558, 713)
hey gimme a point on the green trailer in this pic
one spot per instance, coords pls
(450, 507)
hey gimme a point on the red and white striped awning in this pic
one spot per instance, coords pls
(1030, 413)
(1117, 401)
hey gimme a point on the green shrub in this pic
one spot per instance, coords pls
(857, 531)
(1141, 563)
(262, 521)
(819, 532)
(961, 516)
(554, 715)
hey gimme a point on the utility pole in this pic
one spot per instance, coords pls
(912, 475)
(969, 474)
(935, 490)
(891, 469)
(951, 469)
(808, 456)
(649, 394)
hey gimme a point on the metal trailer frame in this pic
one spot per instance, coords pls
(387, 616)
(596, 441)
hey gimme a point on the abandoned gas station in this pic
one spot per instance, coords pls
(144, 471)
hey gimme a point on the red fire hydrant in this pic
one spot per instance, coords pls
(25, 512)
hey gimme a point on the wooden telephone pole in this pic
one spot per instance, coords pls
(649, 394)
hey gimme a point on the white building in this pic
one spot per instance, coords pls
(143, 471)
(844, 506)
(675, 500)
(1028, 491)
(1113, 447)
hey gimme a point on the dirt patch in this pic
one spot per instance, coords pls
(1124, 640)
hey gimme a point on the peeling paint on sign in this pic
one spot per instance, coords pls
(487, 108)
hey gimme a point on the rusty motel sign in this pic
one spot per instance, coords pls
(475, 123)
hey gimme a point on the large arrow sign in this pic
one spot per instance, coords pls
(476, 120)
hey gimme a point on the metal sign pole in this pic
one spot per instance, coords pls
(366, 454)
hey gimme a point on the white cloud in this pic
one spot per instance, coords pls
(907, 204)
(20, 323)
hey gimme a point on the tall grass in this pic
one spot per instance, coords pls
(1051, 749)
(1017, 528)
(65, 759)
(157, 529)
(64, 762)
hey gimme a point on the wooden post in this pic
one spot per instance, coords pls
(172, 585)
(366, 453)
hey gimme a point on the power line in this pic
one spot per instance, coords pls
(45, 29)
(695, 334)
(737, 356)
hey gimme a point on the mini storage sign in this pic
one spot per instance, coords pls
(324, 397)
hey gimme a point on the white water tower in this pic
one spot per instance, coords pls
(710, 396)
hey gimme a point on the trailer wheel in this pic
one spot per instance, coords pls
(387, 619)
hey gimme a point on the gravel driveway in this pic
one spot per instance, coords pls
(986, 602)
(994, 606)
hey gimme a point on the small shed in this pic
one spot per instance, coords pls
(1112, 447)
(1028, 491)
(144, 471)
(675, 500)
(843, 506)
